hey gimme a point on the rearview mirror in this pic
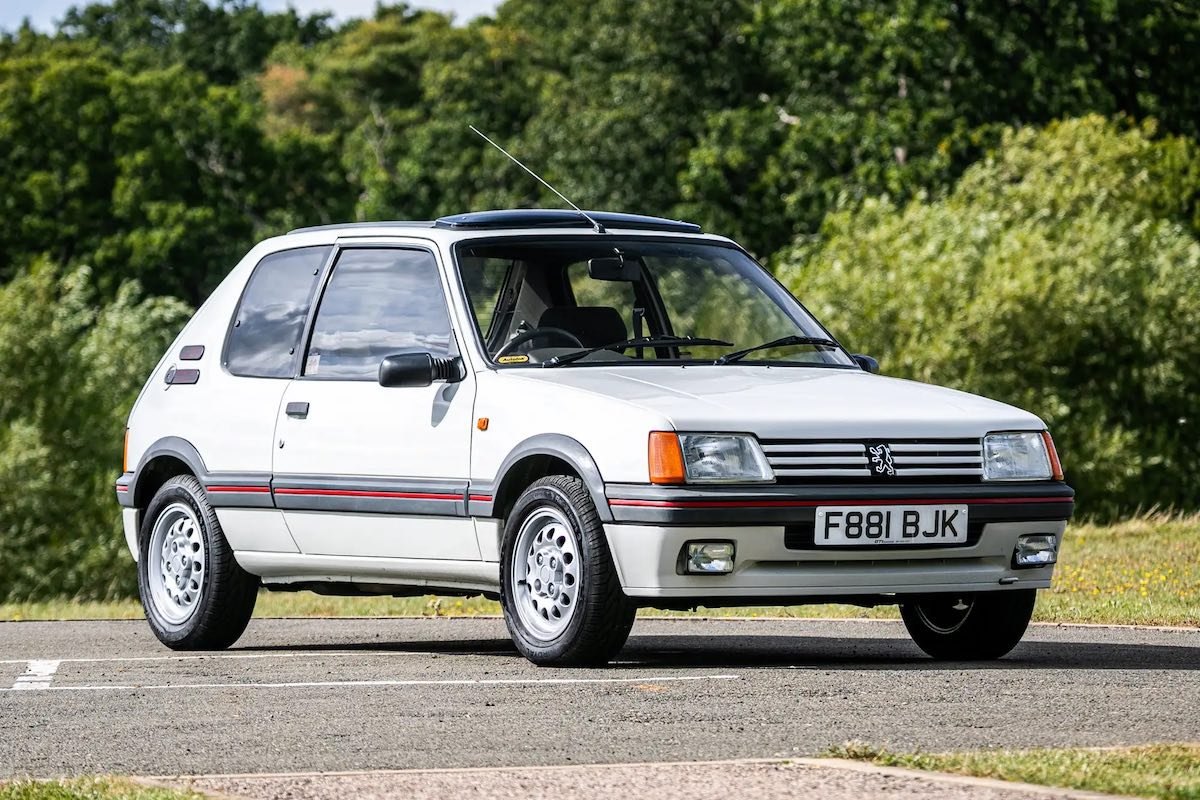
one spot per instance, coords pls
(614, 268)
(867, 363)
(419, 369)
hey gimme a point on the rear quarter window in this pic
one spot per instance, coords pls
(265, 332)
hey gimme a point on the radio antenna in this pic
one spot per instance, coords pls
(596, 225)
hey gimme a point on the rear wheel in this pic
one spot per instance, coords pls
(976, 627)
(560, 593)
(195, 595)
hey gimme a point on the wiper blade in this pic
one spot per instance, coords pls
(659, 340)
(786, 341)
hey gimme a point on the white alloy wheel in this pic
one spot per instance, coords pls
(177, 565)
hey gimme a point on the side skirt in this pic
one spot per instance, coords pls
(431, 574)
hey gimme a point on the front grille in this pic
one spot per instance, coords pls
(846, 460)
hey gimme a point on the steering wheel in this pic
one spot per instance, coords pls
(537, 333)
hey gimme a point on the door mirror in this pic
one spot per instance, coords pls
(867, 363)
(614, 268)
(419, 369)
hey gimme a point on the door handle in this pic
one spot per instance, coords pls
(297, 410)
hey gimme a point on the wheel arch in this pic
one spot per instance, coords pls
(537, 457)
(163, 460)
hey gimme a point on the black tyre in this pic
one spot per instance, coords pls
(969, 627)
(562, 599)
(195, 595)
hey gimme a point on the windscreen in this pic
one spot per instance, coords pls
(537, 299)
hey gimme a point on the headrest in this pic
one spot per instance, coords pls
(593, 325)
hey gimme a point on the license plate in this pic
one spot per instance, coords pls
(872, 525)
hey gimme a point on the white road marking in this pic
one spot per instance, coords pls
(38, 675)
(234, 656)
(334, 684)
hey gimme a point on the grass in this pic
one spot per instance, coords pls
(90, 789)
(1167, 771)
(1144, 571)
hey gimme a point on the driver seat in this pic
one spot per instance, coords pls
(592, 325)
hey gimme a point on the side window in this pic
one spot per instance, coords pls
(270, 318)
(378, 302)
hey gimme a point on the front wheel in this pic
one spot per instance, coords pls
(560, 593)
(195, 595)
(978, 627)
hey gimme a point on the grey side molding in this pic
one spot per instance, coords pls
(544, 444)
(172, 446)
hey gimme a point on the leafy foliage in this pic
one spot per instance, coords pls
(69, 371)
(1056, 276)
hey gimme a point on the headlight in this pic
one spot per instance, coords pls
(707, 458)
(1016, 457)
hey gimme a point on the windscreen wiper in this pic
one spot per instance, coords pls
(657, 340)
(786, 341)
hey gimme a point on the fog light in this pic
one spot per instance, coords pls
(1036, 550)
(709, 558)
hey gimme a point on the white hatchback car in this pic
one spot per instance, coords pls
(578, 421)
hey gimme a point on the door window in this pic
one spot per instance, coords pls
(379, 302)
(266, 329)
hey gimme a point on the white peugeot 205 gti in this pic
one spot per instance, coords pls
(579, 415)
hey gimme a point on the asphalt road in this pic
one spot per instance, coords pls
(300, 695)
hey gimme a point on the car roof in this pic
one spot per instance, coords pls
(519, 219)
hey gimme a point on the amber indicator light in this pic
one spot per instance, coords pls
(1055, 465)
(666, 459)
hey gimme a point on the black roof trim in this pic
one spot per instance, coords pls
(560, 218)
(403, 223)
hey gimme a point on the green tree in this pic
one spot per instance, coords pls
(863, 97)
(70, 368)
(623, 89)
(159, 175)
(1057, 275)
(224, 40)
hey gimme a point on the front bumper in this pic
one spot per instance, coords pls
(777, 562)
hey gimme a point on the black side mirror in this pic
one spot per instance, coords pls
(867, 363)
(419, 369)
(614, 268)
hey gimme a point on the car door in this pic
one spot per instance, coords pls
(258, 360)
(362, 469)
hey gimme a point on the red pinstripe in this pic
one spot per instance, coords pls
(921, 501)
(362, 493)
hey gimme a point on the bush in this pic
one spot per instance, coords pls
(69, 372)
(1060, 275)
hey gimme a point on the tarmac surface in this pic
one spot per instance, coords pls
(322, 695)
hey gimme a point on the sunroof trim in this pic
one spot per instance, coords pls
(509, 219)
